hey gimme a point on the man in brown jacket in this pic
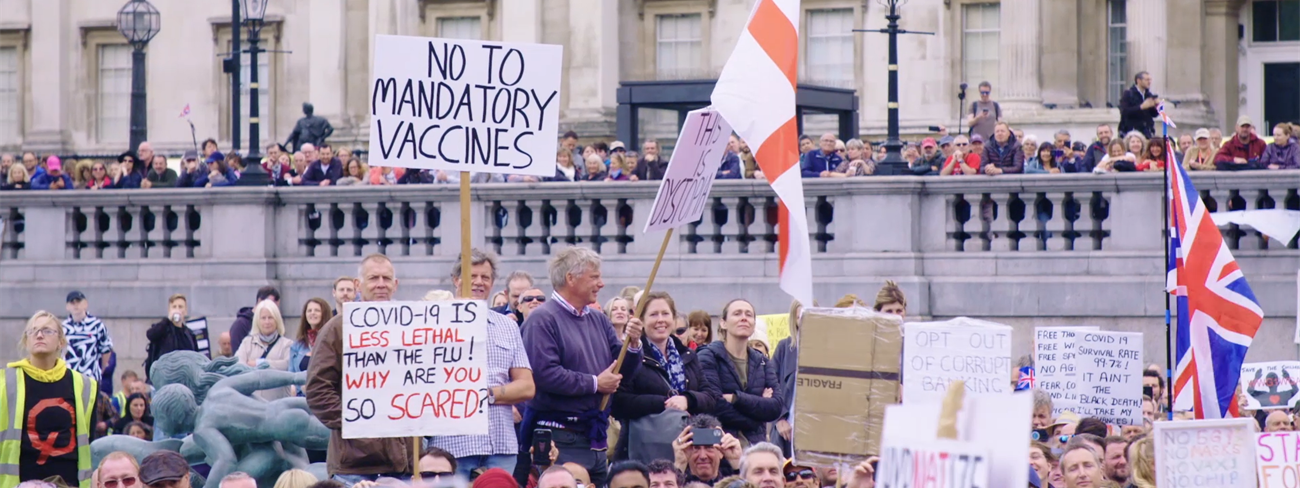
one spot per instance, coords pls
(353, 460)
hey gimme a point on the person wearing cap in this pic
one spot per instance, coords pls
(1284, 152)
(1243, 150)
(1062, 429)
(160, 176)
(219, 172)
(931, 158)
(1200, 156)
(89, 345)
(945, 145)
(58, 403)
(797, 476)
(53, 177)
(165, 469)
(190, 171)
(820, 163)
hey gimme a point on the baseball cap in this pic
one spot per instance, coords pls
(163, 466)
(1202, 133)
(946, 140)
(75, 296)
(617, 146)
(929, 141)
(791, 467)
(191, 154)
(1244, 120)
(53, 164)
(215, 156)
(974, 138)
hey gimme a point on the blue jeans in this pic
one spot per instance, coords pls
(351, 479)
(467, 464)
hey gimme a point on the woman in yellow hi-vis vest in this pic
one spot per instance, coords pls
(46, 409)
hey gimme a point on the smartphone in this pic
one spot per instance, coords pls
(875, 468)
(986, 111)
(1150, 392)
(706, 437)
(542, 447)
(1057, 153)
(934, 128)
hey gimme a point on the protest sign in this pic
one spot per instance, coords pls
(1277, 456)
(199, 327)
(775, 326)
(684, 193)
(1054, 367)
(1110, 376)
(1205, 453)
(414, 368)
(1271, 385)
(464, 105)
(997, 424)
(938, 353)
(937, 463)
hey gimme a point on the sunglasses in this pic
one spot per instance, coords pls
(535, 298)
(962, 144)
(803, 473)
(127, 481)
(428, 475)
(985, 92)
(679, 331)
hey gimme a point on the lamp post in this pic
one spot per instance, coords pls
(139, 22)
(254, 14)
(893, 164)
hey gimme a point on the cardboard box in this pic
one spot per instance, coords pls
(849, 364)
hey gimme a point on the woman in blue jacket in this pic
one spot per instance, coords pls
(751, 394)
(315, 313)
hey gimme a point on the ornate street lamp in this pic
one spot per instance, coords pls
(254, 14)
(139, 22)
(893, 164)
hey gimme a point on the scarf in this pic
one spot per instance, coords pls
(672, 364)
(42, 375)
(311, 338)
(270, 339)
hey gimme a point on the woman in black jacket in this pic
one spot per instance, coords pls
(750, 390)
(670, 376)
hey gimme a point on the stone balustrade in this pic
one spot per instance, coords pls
(1024, 250)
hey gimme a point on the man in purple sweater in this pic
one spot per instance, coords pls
(573, 348)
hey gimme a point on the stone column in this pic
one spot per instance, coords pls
(51, 42)
(1020, 43)
(1060, 54)
(327, 34)
(1221, 84)
(592, 60)
(1148, 41)
(522, 22)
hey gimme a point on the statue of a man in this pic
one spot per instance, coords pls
(309, 130)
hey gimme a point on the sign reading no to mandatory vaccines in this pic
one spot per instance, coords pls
(462, 105)
(414, 368)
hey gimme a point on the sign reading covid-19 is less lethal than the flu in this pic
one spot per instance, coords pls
(463, 105)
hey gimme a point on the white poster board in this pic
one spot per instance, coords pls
(684, 193)
(1110, 376)
(938, 353)
(199, 327)
(465, 105)
(1271, 385)
(414, 368)
(1000, 424)
(915, 464)
(1055, 371)
(1277, 456)
(1205, 453)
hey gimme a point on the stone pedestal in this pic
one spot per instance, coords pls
(1060, 56)
(1020, 42)
(328, 35)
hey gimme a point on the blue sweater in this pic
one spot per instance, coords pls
(566, 352)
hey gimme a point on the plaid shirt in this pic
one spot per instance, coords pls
(505, 353)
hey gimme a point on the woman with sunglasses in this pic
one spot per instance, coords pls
(127, 177)
(99, 178)
(670, 376)
(58, 403)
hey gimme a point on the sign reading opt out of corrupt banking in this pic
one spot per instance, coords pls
(937, 353)
(461, 105)
(414, 368)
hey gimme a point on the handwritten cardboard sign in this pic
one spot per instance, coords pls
(997, 424)
(937, 353)
(1054, 367)
(1205, 453)
(1109, 366)
(414, 368)
(935, 463)
(1277, 456)
(684, 193)
(1271, 385)
(463, 105)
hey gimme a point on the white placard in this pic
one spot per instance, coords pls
(684, 193)
(199, 327)
(1271, 385)
(464, 105)
(918, 464)
(938, 353)
(1110, 376)
(1054, 367)
(998, 423)
(414, 368)
(1205, 453)
(1277, 455)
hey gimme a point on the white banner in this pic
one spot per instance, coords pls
(1110, 376)
(1271, 385)
(1206, 453)
(937, 353)
(1054, 366)
(684, 193)
(414, 368)
(464, 105)
(918, 464)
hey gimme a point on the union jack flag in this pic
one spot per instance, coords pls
(1165, 117)
(1218, 314)
(1026, 381)
(185, 111)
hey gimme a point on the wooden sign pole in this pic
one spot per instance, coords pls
(640, 307)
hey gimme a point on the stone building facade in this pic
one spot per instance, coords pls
(65, 71)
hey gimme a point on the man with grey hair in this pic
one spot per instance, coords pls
(1042, 409)
(516, 284)
(762, 464)
(238, 479)
(572, 349)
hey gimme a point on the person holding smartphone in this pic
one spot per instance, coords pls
(1138, 107)
(984, 113)
(700, 449)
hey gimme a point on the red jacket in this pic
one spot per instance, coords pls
(1251, 150)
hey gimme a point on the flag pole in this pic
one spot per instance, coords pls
(1169, 342)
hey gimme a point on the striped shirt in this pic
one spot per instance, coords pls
(88, 343)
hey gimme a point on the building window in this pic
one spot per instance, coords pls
(1116, 50)
(981, 24)
(678, 43)
(114, 114)
(829, 56)
(265, 112)
(1275, 20)
(460, 28)
(10, 110)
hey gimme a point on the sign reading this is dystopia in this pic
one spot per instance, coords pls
(685, 190)
(933, 464)
(1205, 453)
(414, 368)
(936, 354)
(463, 105)
(1054, 366)
(1110, 376)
